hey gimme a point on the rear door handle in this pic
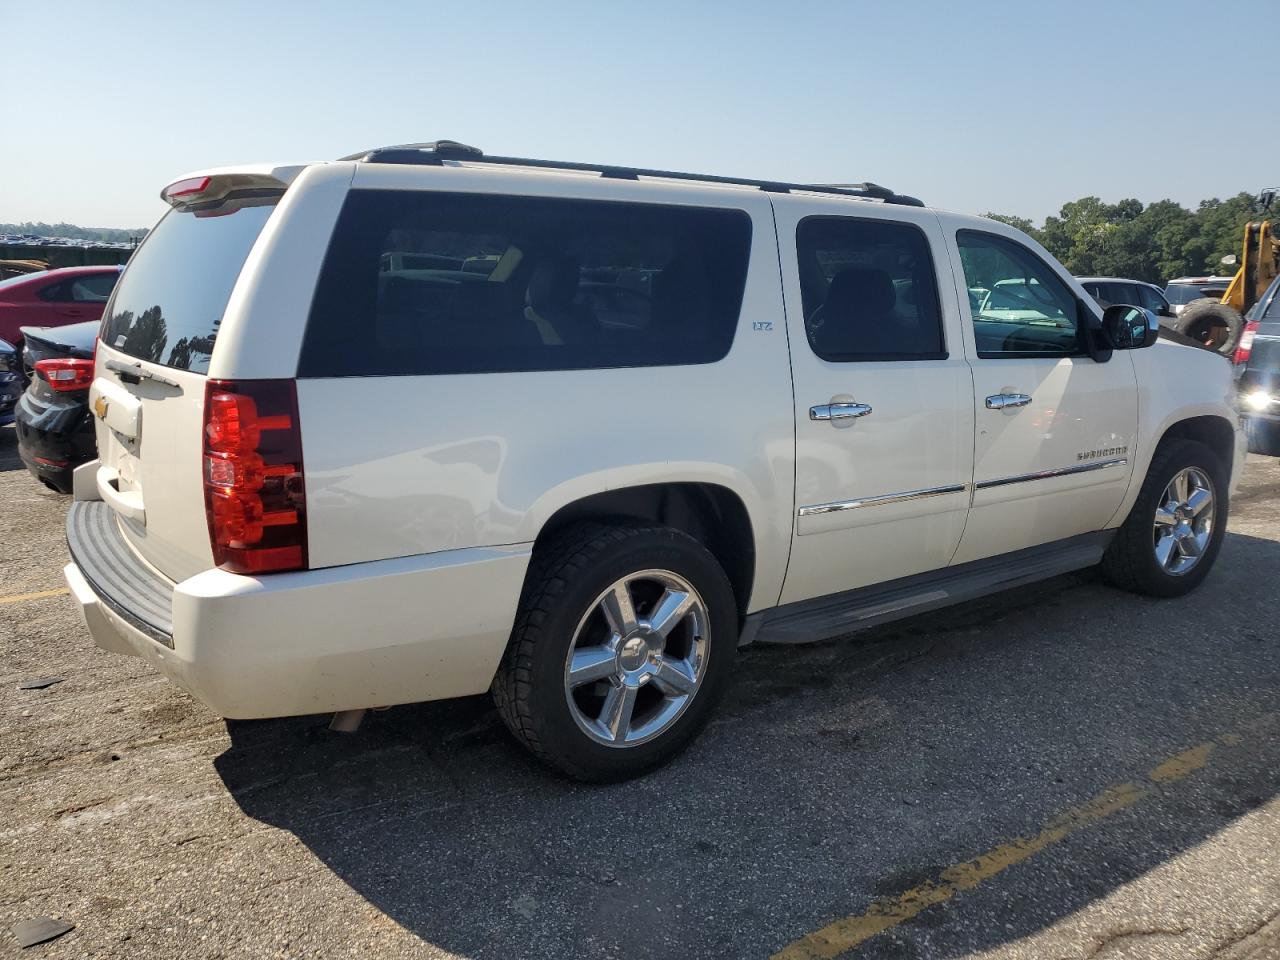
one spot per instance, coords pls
(999, 401)
(839, 411)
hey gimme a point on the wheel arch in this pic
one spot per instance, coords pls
(712, 514)
(1212, 430)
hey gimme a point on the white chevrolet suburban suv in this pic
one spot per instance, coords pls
(422, 423)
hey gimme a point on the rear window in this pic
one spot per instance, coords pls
(431, 283)
(1181, 293)
(21, 278)
(170, 300)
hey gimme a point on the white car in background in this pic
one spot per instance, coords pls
(332, 476)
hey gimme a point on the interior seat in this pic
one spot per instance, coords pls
(858, 315)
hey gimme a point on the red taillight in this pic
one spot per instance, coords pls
(186, 188)
(1244, 348)
(65, 374)
(253, 486)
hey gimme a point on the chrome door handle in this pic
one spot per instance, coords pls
(1001, 400)
(839, 411)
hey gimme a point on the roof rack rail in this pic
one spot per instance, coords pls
(438, 152)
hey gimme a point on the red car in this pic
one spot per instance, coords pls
(54, 298)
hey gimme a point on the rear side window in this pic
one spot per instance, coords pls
(170, 300)
(93, 288)
(432, 283)
(868, 290)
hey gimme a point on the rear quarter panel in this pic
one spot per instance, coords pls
(399, 466)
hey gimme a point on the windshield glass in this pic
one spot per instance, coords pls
(170, 300)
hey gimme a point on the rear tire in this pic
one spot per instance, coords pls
(1163, 550)
(602, 693)
(1212, 324)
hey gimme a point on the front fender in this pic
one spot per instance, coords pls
(1177, 383)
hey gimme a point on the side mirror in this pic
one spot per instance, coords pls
(1130, 328)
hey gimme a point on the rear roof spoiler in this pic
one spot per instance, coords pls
(211, 187)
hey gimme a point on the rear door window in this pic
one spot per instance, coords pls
(869, 290)
(1125, 293)
(169, 302)
(430, 283)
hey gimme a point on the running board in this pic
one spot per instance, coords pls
(809, 620)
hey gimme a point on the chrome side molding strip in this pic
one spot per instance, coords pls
(820, 508)
(1058, 472)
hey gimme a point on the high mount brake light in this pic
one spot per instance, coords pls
(186, 188)
(253, 482)
(65, 374)
(1245, 348)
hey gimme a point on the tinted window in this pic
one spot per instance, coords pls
(1019, 304)
(169, 301)
(1150, 299)
(868, 290)
(1183, 292)
(94, 289)
(56, 292)
(1118, 292)
(430, 283)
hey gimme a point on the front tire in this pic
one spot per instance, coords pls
(1172, 536)
(623, 645)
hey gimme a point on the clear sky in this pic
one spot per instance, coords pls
(1014, 107)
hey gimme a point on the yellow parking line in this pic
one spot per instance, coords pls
(843, 935)
(38, 595)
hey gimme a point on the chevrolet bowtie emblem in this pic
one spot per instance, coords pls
(100, 408)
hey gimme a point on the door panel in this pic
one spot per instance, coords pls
(884, 446)
(1056, 462)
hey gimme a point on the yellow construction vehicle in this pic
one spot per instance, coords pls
(1218, 323)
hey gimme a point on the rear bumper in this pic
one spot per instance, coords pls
(55, 439)
(340, 638)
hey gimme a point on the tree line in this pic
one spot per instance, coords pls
(1156, 242)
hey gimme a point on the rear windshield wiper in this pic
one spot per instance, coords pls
(137, 370)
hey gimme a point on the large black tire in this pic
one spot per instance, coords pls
(1130, 562)
(566, 578)
(1213, 325)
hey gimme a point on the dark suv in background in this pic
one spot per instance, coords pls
(1257, 362)
(1135, 293)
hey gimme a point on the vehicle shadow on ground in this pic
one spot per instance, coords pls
(9, 459)
(834, 774)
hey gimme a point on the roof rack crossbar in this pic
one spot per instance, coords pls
(438, 152)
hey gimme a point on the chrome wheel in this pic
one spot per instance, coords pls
(637, 658)
(1183, 521)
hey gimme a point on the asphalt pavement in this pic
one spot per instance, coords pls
(1066, 771)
